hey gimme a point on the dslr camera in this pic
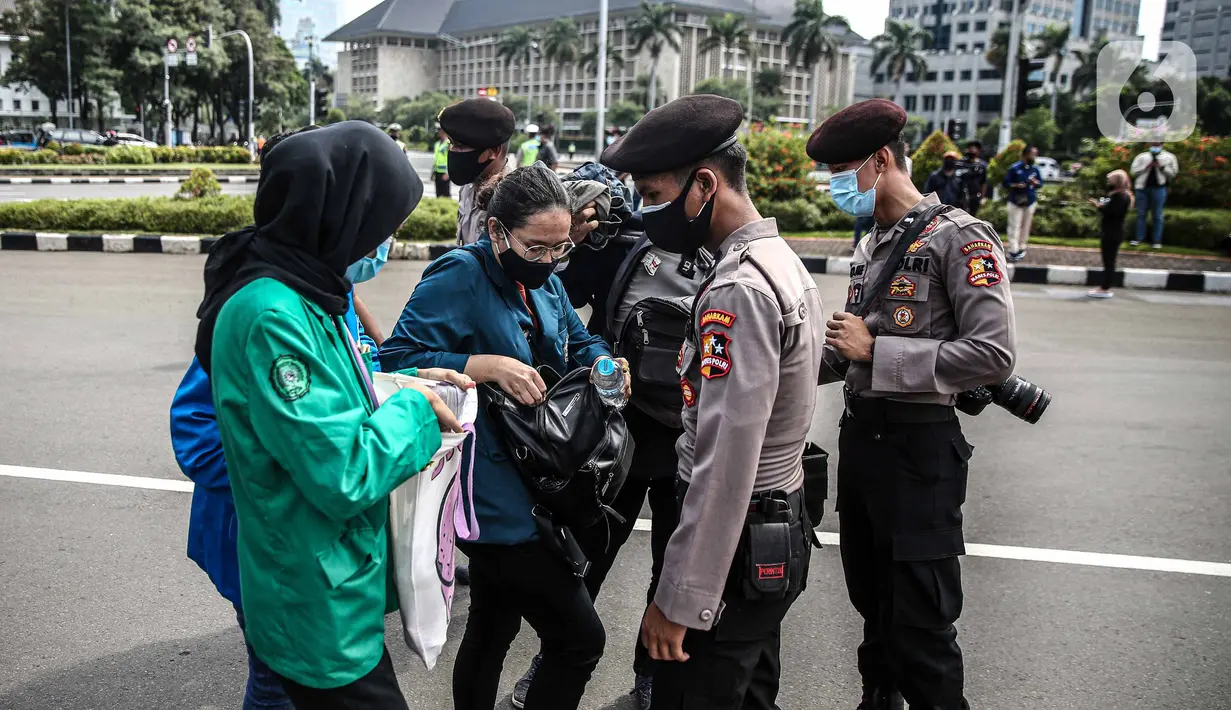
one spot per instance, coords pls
(1019, 397)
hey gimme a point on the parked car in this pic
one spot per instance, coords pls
(81, 136)
(19, 140)
(1048, 168)
(133, 139)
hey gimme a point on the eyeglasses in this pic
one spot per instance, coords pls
(538, 251)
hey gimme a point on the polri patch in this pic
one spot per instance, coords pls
(290, 377)
(903, 287)
(903, 316)
(717, 317)
(715, 355)
(979, 245)
(690, 394)
(983, 271)
(651, 263)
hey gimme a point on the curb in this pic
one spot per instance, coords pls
(1153, 279)
(117, 180)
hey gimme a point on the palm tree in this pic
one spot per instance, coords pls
(656, 29)
(518, 46)
(562, 45)
(1053, 44)
(810, 38)
(898, 49)
(589, 58)
(727, 33)
(1085, 76)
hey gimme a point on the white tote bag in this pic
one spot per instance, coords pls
(426, 514)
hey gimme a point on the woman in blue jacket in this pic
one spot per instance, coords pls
(492, 310)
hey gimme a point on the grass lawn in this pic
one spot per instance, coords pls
(163, 167)
(1091, 243)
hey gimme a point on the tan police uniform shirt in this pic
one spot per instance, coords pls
(946, 324)
(470, 217)
(748, 372)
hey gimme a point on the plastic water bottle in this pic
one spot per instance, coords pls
(608, 378)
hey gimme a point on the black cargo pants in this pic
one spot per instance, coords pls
(901, 484)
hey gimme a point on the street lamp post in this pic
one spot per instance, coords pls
(251, 125)
(600, 102)
(68, 56)
(1010, 78)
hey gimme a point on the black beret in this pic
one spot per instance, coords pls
(676, 134)
(857, 131)
(478, 123)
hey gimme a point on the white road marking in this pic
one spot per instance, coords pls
(103, 479)
(1004, 552)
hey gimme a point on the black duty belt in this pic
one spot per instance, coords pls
(793, 500)
(874, 410)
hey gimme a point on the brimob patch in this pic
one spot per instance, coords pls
(917, 245)
(903, 316)
(715, 355)
(690, 394)
(979, 245)
(903, 287)
(983, 270)
(717, 317)
(290, 377)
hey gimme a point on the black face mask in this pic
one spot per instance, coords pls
(670, 229)
(950, 164)
(531, 274)
(464, 167)
(972, 156)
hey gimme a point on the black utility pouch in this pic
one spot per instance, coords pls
(816, 482)
(767, 572)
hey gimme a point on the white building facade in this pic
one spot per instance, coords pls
(1205, 26)
(404, 47)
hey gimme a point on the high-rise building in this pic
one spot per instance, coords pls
(960, 84)
(405, 47)
(1205, 26)
(302, 19)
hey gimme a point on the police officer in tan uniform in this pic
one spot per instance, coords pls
(739, 557)
(942, 324)
(479, 131)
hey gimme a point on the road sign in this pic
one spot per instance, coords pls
(173, 60)
(191, 44)
(192, 59)
(173, 45)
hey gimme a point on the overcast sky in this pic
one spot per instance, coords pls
(867, 16)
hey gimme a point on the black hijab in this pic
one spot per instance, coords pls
(326, 198)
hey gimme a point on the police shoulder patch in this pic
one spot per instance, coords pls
(290, 376)
(903, 316)
(715, 355)
(690, 394)
(984, 271)
(717, 317)
(977, 245)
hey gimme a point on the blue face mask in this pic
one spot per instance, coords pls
(1156, 149)
(365, 269)
(844, 189)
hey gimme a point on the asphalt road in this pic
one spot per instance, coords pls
(102, 610)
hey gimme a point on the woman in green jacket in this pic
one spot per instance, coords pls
(311, 458)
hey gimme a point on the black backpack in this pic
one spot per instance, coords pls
(651, 340)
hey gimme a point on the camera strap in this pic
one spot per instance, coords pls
(915, 224)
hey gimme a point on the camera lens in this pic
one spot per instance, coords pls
(1022, 398)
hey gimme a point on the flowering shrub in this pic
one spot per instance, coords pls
(1204, 179)
(928, 158)
(778, 166)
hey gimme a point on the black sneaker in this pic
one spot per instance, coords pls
(523, 685)
(881, 700)
(642, 688)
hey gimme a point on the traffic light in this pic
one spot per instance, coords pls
(1032, 75)
(320, 104)
(956, 129)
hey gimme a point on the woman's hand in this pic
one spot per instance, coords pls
(515, 377)
(440, 374)
(584, 222)
(445, 416)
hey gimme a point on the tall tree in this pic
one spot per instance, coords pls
(654, 29)
(589, 58)
(562, 46)
(1085, 76)
(1053, 44)
(811, 37)
(727, 33)
(640, 94)
(897, 50)
(768, 82)
(517, 47)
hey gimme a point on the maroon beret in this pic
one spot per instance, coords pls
(478, 123)
(676, 134)
(857, 131)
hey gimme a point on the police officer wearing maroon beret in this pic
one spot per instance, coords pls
(942, 323)
(479, 131)
(739, 557)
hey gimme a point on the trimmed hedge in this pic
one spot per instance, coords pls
(1197, 228)
(73, 154)
(434, 220)
(816, 214)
